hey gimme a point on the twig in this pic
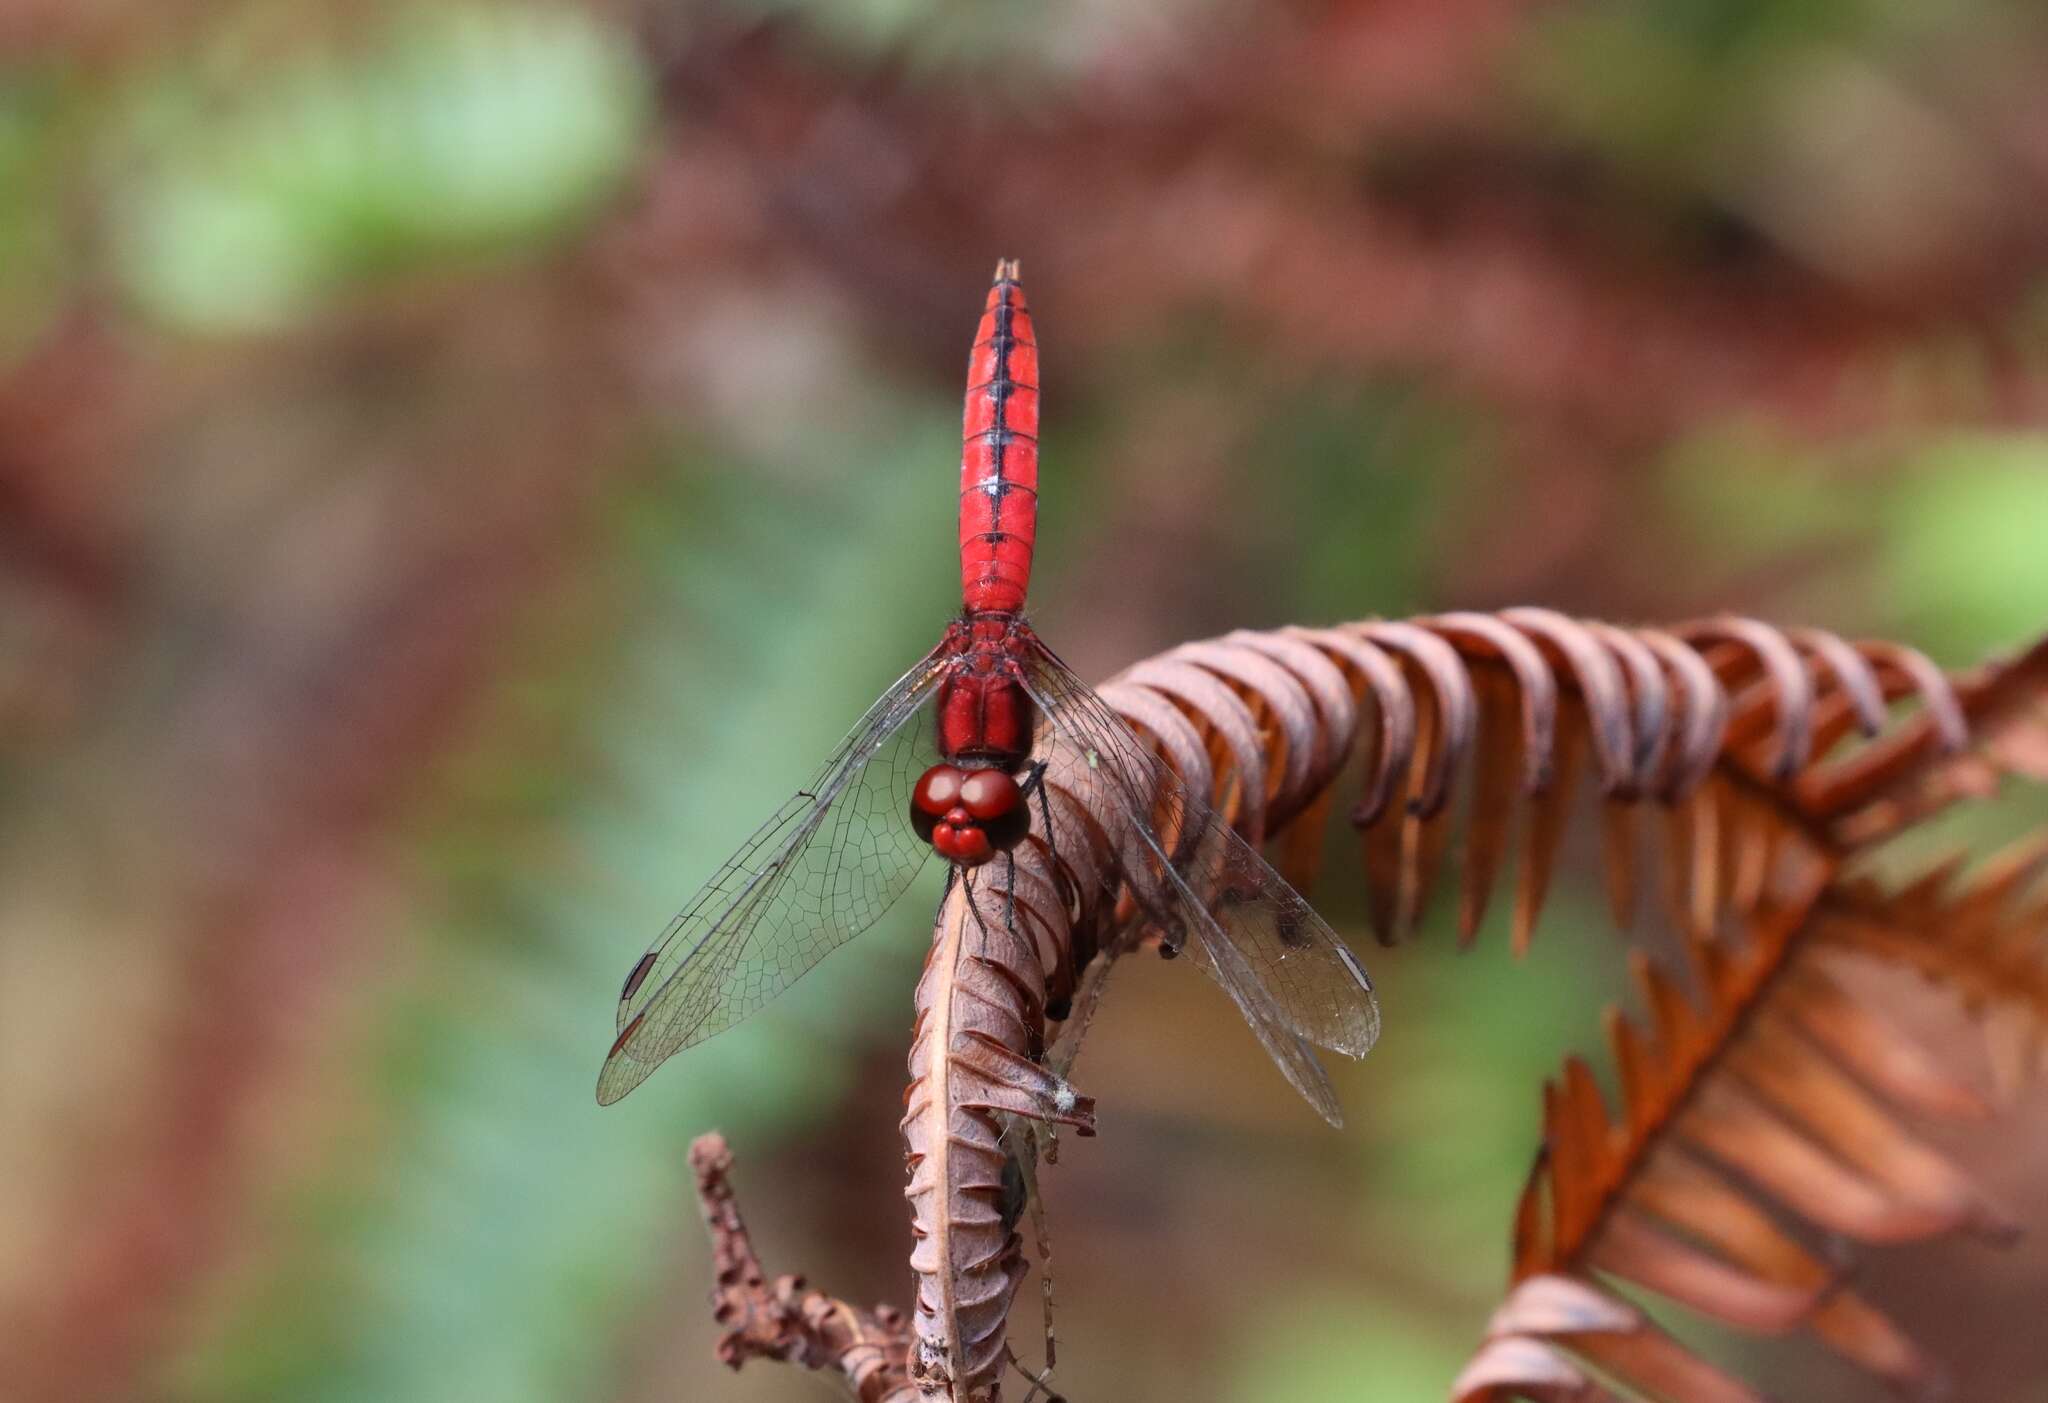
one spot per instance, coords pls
(785, 1320)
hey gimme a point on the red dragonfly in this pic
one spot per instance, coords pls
(951, 758)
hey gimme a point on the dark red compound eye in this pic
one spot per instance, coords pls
(997, 803)
(990, 794)
(938, 789)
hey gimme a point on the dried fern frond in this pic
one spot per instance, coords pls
(1767, 758)
(1739, 732)
(1768, 1113)
(1781, 1099)
(1774, 758)
(1986, 940)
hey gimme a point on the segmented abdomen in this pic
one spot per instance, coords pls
(999, 453)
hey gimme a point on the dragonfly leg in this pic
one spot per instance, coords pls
(1041, 1382)
(973, 906)
(1034, 783)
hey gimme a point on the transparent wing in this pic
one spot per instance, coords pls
(820, 871)
(1290, 975)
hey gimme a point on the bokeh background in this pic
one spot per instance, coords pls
(461, 464)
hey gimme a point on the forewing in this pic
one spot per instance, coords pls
(820, 871)
(1279, 961)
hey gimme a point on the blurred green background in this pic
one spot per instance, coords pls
(462, 464)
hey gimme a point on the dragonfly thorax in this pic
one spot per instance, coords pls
(968, 815)
(984, 713)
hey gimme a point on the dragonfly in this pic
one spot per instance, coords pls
(956, 758)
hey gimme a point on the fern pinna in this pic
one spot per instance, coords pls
(1767, 763)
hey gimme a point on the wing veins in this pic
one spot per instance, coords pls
(662, 1016)
(1210, 844)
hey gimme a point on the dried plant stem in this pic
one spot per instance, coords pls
(785, 1320)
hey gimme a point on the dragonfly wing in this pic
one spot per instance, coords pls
(1290, 1051)
(1291, 975)
(1317, 984)
(820, 871)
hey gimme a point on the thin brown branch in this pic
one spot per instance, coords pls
(784, 1319)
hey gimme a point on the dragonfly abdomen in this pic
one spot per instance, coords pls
(999, 453)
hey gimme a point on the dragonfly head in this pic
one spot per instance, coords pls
(969, 815)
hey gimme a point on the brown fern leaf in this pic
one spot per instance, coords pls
(1776, 1099)
(1740, 733)
(1908, 775)
(1720, 724)
(1768, 1112)
(1781, 1098)
(1986, 940)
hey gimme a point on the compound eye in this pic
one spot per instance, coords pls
(938, 789)
(990, 795)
